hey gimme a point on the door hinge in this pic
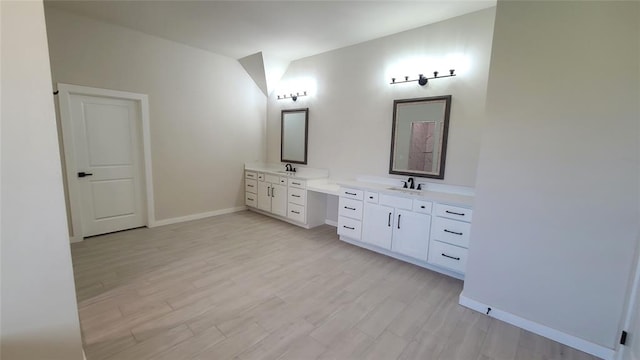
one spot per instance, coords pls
(623, 338)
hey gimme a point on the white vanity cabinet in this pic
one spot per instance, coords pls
(251, 188)
(393, 225)
(350, 213)
(272, 194)
(297, 200)
(450, 237)
(285, 196)
(424, 229)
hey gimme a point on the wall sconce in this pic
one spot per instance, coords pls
(292, 96)
(422, 80)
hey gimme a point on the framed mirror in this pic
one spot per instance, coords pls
(419, 136)
(294, 135)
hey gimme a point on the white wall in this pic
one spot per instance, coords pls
(556, 214)
(39, 312)
(351, 101)
(207, 115)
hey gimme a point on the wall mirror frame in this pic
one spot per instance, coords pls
(419, 136)
(294, 135)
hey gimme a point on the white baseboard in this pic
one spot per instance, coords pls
(331, 222)
(196, 216)
(542, 330)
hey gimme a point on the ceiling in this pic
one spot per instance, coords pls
(281, 31)
(287, 29)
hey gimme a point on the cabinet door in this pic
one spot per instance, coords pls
(279, 199)
(378, 225)
(264, 196)
(411, 234)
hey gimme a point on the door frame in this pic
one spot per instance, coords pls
(73, 189)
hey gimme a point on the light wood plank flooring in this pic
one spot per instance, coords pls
(245, 286)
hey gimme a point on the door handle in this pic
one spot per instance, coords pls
(272, 189)
(82, 174)
(398, 221)
(389, 221)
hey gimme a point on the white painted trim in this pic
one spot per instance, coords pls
(197, 216)
(631, 311)
(542, 330)
(64, 97)
(331, 223)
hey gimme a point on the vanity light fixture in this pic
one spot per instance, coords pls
(292, 96)
(423, 80)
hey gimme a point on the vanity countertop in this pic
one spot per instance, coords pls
(437, 196)
(302, 173)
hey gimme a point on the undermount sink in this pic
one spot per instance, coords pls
(405, 190)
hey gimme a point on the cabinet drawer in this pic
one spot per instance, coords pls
(261, 176)
(302, 184)
(453, 212)
(296, 212)
(451, 231)
(250, 175)
(251, 199)
(271, 178)
(371, 197)
(351, 193)
(448, 256)
(251, 186)
(396, 202)
(350, 208)
(349, 228)
(422, 206)
(297, 196)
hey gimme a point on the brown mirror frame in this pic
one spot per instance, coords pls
(439, 173)
(306, 135)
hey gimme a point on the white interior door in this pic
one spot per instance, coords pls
(107, 147)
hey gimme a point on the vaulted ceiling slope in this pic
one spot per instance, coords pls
(282, 31)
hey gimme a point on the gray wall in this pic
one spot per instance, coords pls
(39, 313)
(207, 115)
(556, 216)
(351, 101)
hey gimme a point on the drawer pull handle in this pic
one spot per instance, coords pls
(249, 185)
(349, 208)
(347, 227)
(295, 195)
(295, 183)
(421, 206)
(349, 193)
(250, 199)
(371, 197)
(450, 257)
(454, 213)
(295, 212)
(389, 222)
(452, 232)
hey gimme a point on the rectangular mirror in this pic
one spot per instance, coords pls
(294, 133)
(419, 136)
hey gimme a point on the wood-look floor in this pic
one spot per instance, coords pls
(245, 286)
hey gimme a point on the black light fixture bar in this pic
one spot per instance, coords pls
(423, 80)
(292, 96)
